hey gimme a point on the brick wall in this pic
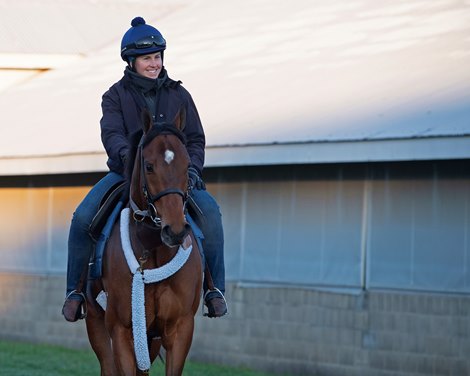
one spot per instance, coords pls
(284, 330)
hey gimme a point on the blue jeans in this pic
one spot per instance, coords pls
(213, 243)
(80, 244)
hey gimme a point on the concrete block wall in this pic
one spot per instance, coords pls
(30, 310)
(311, 332)
(284, 330)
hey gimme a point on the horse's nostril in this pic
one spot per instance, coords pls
(172, 238)
(168, 232)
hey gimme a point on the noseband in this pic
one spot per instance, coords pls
(151, 211)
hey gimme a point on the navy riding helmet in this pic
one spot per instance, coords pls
(141, 39)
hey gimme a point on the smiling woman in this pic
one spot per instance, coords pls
(150, 65)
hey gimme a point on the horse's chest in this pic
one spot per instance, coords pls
(161, 301)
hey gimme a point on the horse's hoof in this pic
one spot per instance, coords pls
(215, 303)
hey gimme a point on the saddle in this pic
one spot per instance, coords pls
(102, 224)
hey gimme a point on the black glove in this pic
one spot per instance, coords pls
(195, 180)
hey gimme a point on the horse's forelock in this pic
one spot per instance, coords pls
(159, 129)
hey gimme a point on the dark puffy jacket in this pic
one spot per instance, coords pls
(122, 108)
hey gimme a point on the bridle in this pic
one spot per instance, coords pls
(151, 199)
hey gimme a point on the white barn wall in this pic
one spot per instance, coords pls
(298, 300)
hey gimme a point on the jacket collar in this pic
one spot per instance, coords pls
(145, 84)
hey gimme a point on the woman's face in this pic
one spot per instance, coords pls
(149, 65)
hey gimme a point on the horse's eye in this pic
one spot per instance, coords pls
(149, 167)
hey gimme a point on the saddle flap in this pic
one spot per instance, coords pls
(107, 206)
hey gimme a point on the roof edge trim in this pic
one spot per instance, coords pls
(439, 148)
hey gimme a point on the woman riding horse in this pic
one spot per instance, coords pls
(145, 86)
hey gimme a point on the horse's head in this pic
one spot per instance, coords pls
(160, 178)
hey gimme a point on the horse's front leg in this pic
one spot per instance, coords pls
(123, 350)
(100, 340)
(177, 344)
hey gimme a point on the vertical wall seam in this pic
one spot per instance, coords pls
(365, 232)
(50, 209)
(243, 229)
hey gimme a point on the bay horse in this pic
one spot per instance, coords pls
(141, 316)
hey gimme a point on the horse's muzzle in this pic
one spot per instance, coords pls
(172, 239)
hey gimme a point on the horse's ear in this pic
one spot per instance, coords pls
(180, 118)
(146, 120)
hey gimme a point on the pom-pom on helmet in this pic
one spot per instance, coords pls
(141, 39)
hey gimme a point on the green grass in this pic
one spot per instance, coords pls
(25, 359)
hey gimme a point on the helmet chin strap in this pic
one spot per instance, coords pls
(130, 62)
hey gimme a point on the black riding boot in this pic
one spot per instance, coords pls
(80, 247)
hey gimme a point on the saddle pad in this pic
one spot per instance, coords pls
(97, 260)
